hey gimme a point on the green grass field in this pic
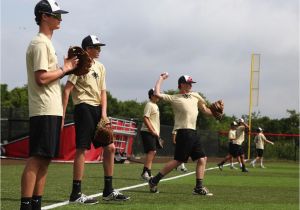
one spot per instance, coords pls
(276, 187)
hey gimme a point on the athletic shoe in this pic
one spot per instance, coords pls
(245, 170)
(252, 164)
(262, 166)
(152, 186)
(182, 169)
(145, 176)
(233, 167)
(202, 191)
(83, 199)
(115, 196)
(220, 166)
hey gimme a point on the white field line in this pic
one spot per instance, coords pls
(52, 206)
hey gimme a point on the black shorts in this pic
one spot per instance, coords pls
(231, 148)
(86, 118)
(188, 145)
(237, 150)
(259, 152)
(150, 142)
(44, 135)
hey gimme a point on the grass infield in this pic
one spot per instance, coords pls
(276, 187)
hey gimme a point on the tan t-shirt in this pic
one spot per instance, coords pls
(44, 99)
(185, 107)
(232, 135)
(260, 141)
(152, 112)
(240, 135)
(88, 87)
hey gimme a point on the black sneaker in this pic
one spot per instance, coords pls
(245, 170)
(220, 166)
(202, 191)
(83, 199)
(152, 186)
(115, 196)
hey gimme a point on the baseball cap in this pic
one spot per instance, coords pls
(241, 120)
(259, 129)
(48, 6)
(234, 123)
(151, 92)
(185, 79)
(91, 40)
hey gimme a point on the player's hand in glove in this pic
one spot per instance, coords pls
(104, 133)
(217, 109)
(84, 61)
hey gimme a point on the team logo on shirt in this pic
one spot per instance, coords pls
(187, 95)
(95, 75)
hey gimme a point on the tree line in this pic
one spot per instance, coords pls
(17, 101)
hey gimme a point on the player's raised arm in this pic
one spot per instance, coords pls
(162, 77)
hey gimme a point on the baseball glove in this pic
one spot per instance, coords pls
(104, 134)
(84, 61)
(217, 109)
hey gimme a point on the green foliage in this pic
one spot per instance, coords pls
(17, 98)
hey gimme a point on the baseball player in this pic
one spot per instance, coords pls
(231, 138)
(90, 100)
(181, 167)
(150, 133)
(260, 141)
(185, 106)
(237, 144)
(45, 106)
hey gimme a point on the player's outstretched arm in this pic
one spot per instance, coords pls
(162, 77)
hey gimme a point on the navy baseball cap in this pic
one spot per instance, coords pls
(151, 92)
(48, 7)
(91, 40)
(185, 79)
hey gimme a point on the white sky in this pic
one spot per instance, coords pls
(210, 40)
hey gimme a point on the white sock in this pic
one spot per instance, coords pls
(182, 165)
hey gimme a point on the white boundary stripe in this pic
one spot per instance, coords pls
(128, 188)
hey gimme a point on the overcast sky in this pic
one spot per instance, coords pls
(210, 40)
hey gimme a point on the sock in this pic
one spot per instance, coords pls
(157, 178)
(149, 172)
(254, 161)
(36, 202)
(145, 169)
(76, 187)
(222, 163)
(182, 165)
(107, 185)
(25, 203)
(199, 183)
(243, 166)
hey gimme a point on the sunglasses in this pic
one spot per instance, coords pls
(95, 47)
(56, 16)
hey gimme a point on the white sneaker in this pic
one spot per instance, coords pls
(262, 166)
(116, 196)
(182, 169)
(83, 199)
(145, 176)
